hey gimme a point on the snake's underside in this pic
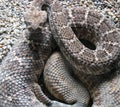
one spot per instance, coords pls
(61, 84)
(71, 26)
(104, 89)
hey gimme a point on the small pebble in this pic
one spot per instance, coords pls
(11, 23)
(1, 45)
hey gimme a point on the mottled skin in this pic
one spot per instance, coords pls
(20, 72)
(24, 64)
(69, 22)
(21, 69)
(64, 16)
(104, 89)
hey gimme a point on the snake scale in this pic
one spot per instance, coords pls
(24, 64)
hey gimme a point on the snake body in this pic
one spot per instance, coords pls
(104, 89)
(59, 82)
(93, 27)
(24, 64)
(21, 69)
(68, 25)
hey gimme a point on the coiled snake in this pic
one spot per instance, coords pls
(93, 27)
(66, 24)
(24, 64)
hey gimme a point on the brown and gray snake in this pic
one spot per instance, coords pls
(73, 74)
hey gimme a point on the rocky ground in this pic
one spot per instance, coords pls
(12, 20)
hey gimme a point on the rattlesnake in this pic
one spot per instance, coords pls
(93, 26)
(23, 65)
